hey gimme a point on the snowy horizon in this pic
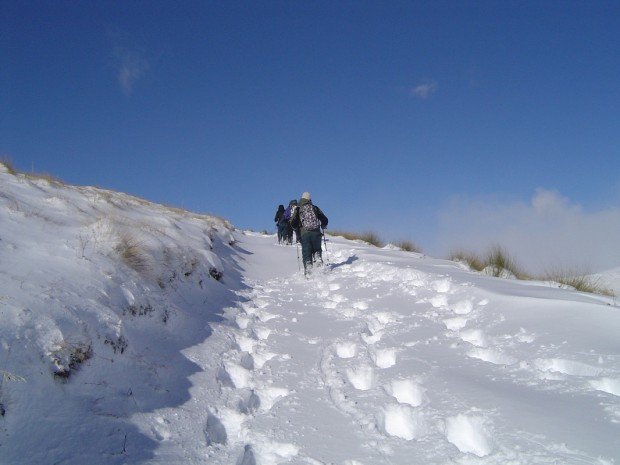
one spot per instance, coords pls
(135, 333)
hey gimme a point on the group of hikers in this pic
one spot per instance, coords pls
(308, 222)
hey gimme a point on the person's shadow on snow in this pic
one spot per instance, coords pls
(348, 261)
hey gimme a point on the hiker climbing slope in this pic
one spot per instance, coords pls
(281, 224)
(310, 219)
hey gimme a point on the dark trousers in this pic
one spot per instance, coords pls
(311, 247)
(282, 231)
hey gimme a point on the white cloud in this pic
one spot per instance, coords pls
(549, 231)
(131, 66)
(424, 90)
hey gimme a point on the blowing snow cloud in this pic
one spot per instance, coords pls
(549, 231)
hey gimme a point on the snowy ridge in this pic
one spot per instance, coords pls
(382, 357)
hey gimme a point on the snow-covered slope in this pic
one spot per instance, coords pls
(99, 294)
(609, 279)
(382, 357)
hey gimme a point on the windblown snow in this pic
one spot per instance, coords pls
(133, 333)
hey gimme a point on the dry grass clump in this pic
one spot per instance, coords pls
(470, 259)
(496, 261)
(8, 165)
(132, 252)
(499, 260)
(579, 280)
(408, 246)
(369, 237)
(48, 178)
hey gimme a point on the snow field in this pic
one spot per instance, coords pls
(381, 357)
(379, 344)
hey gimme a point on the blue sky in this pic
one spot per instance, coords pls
(389, 113)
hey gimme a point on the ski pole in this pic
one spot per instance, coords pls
(298, 264)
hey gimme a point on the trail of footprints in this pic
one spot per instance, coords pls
(399, 407)
(360, 364)
(246, 388)
(361, 361)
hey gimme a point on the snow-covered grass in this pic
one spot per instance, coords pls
(408, 246)
(499, 263)
(582, 281)
(216, 350)
(496, 262)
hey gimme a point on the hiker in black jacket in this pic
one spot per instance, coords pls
(281, 224)
(310, 219)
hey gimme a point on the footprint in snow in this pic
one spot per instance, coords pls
(455, 324)
(346, 349)
(215, 432)
(470, 434)
(439, 301)
(492, 356)
(248, 403)
(442, 285)
(371, 338)
(384, 358)
(406, 391)
(234, 375)
(269, 396)
(475, 337)
(349, 312)
(265, 316)
(374, 326)
(402, 422)
(261, 333)
(242, 321)
(225, 427)
(245, 343)
(262, 356)
(462, 307)
(362, 378)
(249, 308)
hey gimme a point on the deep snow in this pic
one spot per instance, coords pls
(382, 357)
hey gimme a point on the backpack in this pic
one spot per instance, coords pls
(308, 217)
(288, 213)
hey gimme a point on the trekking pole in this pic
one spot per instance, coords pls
(298, 264)
(324, 242)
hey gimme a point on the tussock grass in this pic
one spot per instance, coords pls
(496, 260)
(472, 260)
(132, 253)
(369, 237)
(408, 246)
(499, 260)
(579, 280)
